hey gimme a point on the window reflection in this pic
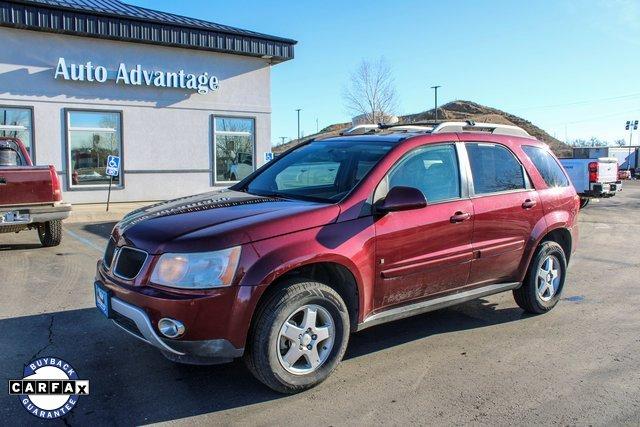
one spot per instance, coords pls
(234, 148)
(16, 123)
(93, 136)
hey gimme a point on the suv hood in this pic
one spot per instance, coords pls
(217, 220)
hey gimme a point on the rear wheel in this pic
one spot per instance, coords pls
(299, 337)
(50, 233)
(544, 282)
(584, 202)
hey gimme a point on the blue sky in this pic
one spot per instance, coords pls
(571, 67)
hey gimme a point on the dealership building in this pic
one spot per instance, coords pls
(183, 102)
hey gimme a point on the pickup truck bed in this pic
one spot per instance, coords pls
(593, 178)
(30, 196)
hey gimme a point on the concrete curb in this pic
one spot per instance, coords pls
(97, 212)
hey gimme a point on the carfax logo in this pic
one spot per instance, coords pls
(49, 387)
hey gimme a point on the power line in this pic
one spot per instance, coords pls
(587, 101)
(591, 119)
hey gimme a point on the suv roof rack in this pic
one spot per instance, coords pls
(433, 126)
(471, 126)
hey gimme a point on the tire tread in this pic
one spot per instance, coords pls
(256, 359)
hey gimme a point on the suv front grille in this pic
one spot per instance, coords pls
(129, 262)
(108, 253)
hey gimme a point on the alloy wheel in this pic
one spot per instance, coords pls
(306, 339)
(548, 278)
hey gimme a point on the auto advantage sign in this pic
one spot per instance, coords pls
(137, 76)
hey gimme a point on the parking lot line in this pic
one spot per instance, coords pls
(84, 241)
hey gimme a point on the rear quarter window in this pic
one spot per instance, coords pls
(547, 165)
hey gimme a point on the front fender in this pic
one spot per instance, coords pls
(349, 244)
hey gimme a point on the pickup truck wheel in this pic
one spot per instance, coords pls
(299, 337)
(50, 233)
(583, 202)
(544, 282)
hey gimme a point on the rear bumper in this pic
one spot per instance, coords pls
(38, 213)
(135, 321)
(603, 190)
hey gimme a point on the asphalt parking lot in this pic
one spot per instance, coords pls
(483, 362)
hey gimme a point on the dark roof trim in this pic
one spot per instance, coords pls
(33, 15)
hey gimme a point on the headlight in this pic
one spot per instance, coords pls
(201, 270)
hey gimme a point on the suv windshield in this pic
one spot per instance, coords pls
(322, 171)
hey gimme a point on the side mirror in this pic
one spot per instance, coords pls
(402, 199)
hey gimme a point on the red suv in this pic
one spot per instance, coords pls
(338, 235)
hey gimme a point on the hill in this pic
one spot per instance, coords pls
(456, 111)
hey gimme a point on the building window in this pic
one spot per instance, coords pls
(234, 148)
(18, 123)
(92, 136)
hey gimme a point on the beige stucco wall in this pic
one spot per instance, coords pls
(165, 130)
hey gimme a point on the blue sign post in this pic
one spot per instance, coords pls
(113, 169)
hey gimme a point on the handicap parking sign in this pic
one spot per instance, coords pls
(113, 166)
(268, 156)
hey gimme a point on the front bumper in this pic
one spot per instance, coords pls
(135, 321)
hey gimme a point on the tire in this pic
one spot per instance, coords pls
(268, 349)
(538, 294)
(50, 233)
(584, 202)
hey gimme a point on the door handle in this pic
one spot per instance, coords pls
(460, 216)
(528, 204)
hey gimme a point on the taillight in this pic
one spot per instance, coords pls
(593, 172)
(55, 184)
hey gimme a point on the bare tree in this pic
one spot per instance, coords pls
(620, 142)
(371, 91)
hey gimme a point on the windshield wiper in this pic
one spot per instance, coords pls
(269, 194)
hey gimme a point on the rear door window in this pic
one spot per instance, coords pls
(494, 168)
(547, 165)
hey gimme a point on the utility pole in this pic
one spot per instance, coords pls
(283, 138)
(317, 128)
(435, 88)
(298, 110)
(630, 126)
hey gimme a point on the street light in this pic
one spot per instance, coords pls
(630, 126)
(298, 110)
(435, 88)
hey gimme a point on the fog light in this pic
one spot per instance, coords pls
(170, 328)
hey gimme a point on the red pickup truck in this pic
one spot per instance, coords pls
(30, 196)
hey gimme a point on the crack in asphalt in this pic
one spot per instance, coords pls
(49, 340)
(65, 419)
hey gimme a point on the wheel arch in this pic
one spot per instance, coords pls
(332, 273)
(559, 233)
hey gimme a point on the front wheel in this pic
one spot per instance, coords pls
(299, 337)
(541, 289)
(50, 233)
